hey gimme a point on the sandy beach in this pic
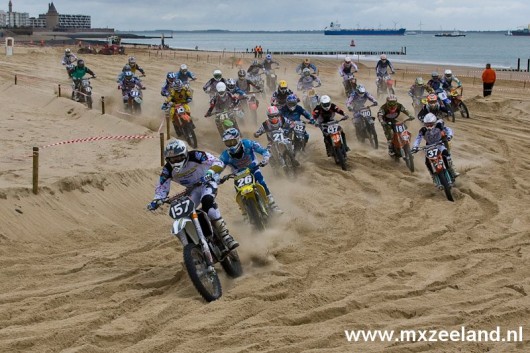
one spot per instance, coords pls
(87, 269)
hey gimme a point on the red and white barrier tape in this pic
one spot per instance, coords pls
(97, 138)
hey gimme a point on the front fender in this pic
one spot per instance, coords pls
(184, 228)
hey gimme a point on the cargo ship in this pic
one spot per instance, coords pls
(521, 32)
(335, 30)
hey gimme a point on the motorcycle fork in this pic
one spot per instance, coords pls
(204, 245)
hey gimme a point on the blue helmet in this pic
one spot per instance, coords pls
(171, 76)
(232, 140)
(268, 57)
(292, 101)
(128, 75)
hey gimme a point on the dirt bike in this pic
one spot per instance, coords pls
(282, 152)
(441, 177)
(82, 91)
(401, 142)
(367, 130)
(298, 137)
(350, 84)
(333, 132)
(310, 99)
(202, 248)
(134, 100)
(257, 80)
(271, 78)
(225, 120)
(183, 124)
(251, 197)
(417, 103)
(446, 101)
(456, 102)
(385, 86)
(253, 105)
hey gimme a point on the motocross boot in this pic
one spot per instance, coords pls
(219, 226)
(451, 169)
(273, 206)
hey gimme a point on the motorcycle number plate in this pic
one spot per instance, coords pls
(432, 153)
(366, 113)
(299, 128)
(333, 129)
(400, 128)
(278, 136)
(442, 95)
(181, 208)
(246, 180)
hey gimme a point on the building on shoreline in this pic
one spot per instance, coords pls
(52, 20)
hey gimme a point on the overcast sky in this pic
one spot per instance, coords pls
(290, 14)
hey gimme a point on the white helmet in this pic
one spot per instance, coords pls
(217, 75)
(67, 51)
(383, 57)
(183, 67)
(220, 88)
(325, 102)
(347, 60)
(448, 73)
(429, 120)
(176, 154)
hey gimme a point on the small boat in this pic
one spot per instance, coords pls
(352, 43)
(450, 34)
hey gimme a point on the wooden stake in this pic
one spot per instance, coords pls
(35, 170)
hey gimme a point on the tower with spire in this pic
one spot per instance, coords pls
(10, 6)
(52, 17)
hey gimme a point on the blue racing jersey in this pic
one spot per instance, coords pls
(249, 157)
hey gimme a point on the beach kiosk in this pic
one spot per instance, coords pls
(10, 43)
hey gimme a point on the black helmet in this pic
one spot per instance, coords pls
(80, 63)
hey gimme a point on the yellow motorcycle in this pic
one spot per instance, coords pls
(251, 197)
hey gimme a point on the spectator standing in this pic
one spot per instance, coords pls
(488, 80)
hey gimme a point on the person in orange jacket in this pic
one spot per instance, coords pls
(488, 80)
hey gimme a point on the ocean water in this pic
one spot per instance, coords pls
(475, 49)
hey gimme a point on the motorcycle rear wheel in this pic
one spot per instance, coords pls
(207, 284)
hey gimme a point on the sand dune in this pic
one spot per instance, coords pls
(86, 269)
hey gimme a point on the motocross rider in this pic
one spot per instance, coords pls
(418, 89)
(274, 121)
(243, 83)
(77, 74)
(185, 75)
(307, 81)
(222, 100)
(193, 170)
(433, 106)
(210, 86)
(356, 102)
(135, 66)
(381, 69)
(306, 64)
(178, 95)
(127, 84)
(279, 97)
(324, 113)
(69, 59)
(434, 132)
(293, 112)
(449, 79)
(239, 155)
(388, 113)
(168, 84)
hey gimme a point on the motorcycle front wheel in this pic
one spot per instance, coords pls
(447, 188)
(372, 135)
(207, 283)
(191, 138)
(340, 157)
(232, 264)
(463, 110)
(409, 159)
(254, 214)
